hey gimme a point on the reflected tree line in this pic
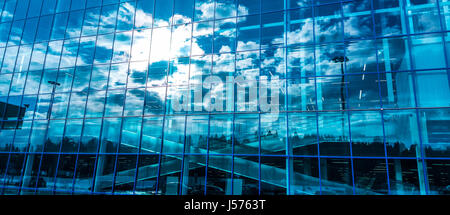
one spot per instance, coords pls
(302, 144)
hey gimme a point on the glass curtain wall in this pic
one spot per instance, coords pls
(225, 97)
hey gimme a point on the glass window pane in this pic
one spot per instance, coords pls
(104, 48)
(84, 173)
(388, 18)
(125, 17)
(122, 46)
(404, 177)
(54, 135)
(118, 76)
(397, 90)
(225, 8)
(246, 134)
(273, 134)
(220, 134)
(131, 135)
(72, 135)
(401, 133)
(91, 135)
(104, 173)
(225, 35)
(174, 138)
(248, 33)
(370, 176)
(334, 136)
(152, 135)
(300, 24)
(219, 180)
(163, 12)
(328, 23)
(272, 32)
(147, 174)
(95, 104)
(183, 11)
(59, 26)
(140, 49)
(91, 20)
(435, 132)
(74, 24)
(196, 140)
(437, 172)
(169, 175)
(358, 20)
(110, 135)
(114, 103)
(273, 175)
(336, 176)
(418, 11)
(194, 177)
(144, 14)
(304, 168)
(108, 19)
(246, 7)
(245, 175)
(155, 98)
(48, 7)
(302, 133)
(367, 133)
(432, 88)
(204, 10)
(125, 173)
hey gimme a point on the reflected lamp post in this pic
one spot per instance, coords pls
(342, 60)
(55, 84)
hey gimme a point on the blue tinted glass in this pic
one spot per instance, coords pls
(48, 7)
(246, 7)
(183, 11)
(91, 20)
(63, 5)
(163, 12)
(21, 9)
(225, 8)
(105, 2)
(4, 29)
(86, 51)
(44, 28)
(144, 14)
(74, 24)
(103, 49)
(8, 10)
(272, 5)
(77, 5)
(93, 3)
(30, 31)
(108, 19)
(224, 97)
(35, 8)
(248, 33)
(204, 10)
(16, 32)
(59, 26)
(125, 16)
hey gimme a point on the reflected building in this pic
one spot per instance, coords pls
(225, 97)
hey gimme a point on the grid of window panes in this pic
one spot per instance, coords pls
(87, 89)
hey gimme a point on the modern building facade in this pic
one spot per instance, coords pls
(225, 97)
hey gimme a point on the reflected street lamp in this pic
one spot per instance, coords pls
(341, 59)
(55, 84)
